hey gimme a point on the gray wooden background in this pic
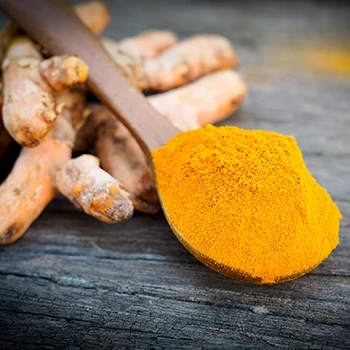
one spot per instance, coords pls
(74, 283)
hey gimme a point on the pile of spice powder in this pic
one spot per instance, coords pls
(244, 203)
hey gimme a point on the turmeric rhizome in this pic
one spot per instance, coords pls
(244, 203)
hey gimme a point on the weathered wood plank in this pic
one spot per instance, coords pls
(76, 283)
(111, 283)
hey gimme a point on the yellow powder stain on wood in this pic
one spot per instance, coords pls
(327, 60)
(308, 55)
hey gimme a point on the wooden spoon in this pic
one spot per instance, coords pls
(56, 27)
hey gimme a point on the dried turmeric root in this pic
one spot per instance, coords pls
(122, 157)
(28, 111)
(206, 101)
(94, 14)
(30, 187)
(61, 72)
(188, 60)
(163, 66)
(93, 190)
(129, 52)
(81, 180)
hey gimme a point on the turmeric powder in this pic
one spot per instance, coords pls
(244, 203)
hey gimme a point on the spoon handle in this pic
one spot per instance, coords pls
(56, 27)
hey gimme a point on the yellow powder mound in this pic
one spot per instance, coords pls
(244, 203)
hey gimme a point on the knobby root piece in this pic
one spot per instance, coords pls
(94, 14)
(188, 60)
(61, 72)
(148, 44)
(180, 64)
(128, 53)
(97, 197)
(93, 190)
(30, 186)
(28, 110)
(205, 101)
(122, 157)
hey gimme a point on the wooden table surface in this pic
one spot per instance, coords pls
(72, 282)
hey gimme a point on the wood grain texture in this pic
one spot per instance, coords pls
(75, 283)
